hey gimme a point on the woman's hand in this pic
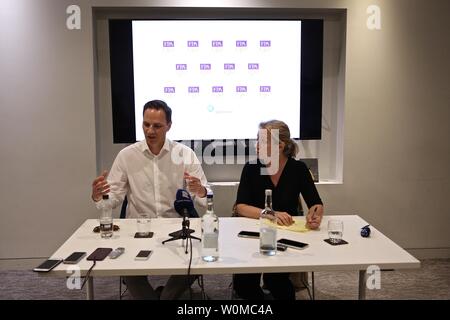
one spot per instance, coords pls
(284, 218)
(314, 217)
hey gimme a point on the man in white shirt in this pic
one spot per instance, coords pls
(149, 173)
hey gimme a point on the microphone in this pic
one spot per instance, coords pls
(185, 207)
(184, 204)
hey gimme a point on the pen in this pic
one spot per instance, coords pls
(314, 213)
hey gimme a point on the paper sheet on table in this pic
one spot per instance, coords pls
(297, 226)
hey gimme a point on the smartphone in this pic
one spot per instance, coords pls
(144, 255)
(248, 234)
(74, 258)
(99, 254)
(116, 253)
(293, 244)
(146, 235)
(47, 265)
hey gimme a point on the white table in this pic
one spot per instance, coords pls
(237, 255)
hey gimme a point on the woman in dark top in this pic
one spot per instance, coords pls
(276, 169)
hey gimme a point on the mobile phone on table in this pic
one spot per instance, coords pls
(99, 254)
(47, 265)
(116, 253)
(144, 255)
(74, 258)
(248, 234)
(293, 244)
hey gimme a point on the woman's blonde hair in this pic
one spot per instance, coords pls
(290, 147)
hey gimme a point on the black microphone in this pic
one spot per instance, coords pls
(185, 207)
(184, 204)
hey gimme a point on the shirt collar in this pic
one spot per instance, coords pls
(144, 147)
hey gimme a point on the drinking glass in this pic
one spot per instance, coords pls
(143, 224)
(335, 230)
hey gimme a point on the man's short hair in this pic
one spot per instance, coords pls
(159, 105)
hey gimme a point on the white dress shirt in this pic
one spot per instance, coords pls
(150, 181)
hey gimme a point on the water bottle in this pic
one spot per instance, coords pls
(106, 218)
(210, 232)
(267, 228)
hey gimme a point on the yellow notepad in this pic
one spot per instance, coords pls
(297, 226)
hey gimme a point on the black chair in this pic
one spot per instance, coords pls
(123, 210)
(123, 215)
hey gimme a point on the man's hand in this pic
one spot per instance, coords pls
(284, 218)
(100, 187)
(314, 217)
(194, 185)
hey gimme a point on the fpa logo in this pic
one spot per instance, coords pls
(264, 89)
(229, 66)
(217, 89)
(192, 44)
(205, 66)
(168, 44)
(193, 89)
(169, 89)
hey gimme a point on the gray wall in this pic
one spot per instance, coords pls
(396, 138)
(47, 126)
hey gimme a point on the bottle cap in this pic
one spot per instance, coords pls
(105, 196)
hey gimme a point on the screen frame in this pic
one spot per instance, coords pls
(122, 77)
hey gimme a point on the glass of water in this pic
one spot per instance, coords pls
(335, 230)
(143, 224)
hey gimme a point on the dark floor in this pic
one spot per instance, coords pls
(431, 281)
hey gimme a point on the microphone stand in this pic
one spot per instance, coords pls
(184, 233)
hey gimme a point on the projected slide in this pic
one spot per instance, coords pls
(221, 78)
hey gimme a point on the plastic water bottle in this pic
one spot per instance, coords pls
(267, 230)
(106, 218)
(210, 232)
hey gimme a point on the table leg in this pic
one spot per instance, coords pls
(362, 285)
(90, 289)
